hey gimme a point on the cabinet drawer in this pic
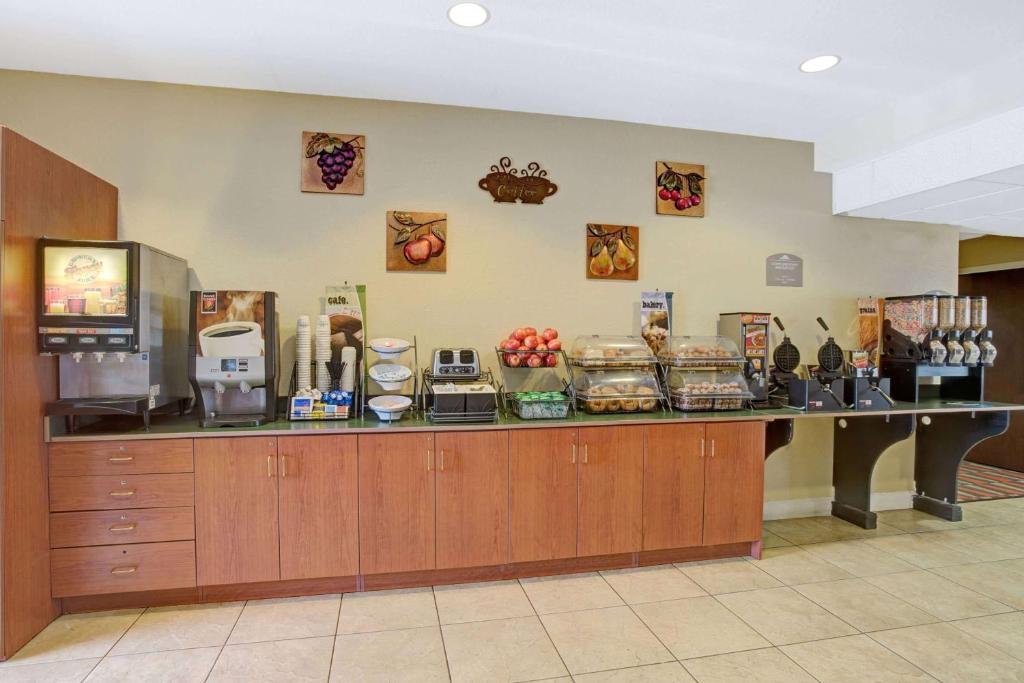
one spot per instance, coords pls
(87, 458)
(122, 568)
(110, 527)
(116, 493)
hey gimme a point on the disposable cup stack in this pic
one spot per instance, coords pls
(323, 353)
(303, 349)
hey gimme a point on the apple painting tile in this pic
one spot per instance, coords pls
(417, 241)
(613, 252)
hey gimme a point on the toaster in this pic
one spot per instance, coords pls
(462, 363)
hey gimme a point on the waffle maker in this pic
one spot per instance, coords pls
(826, 387)
(785, 361)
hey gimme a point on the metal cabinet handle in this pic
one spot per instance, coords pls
(127, 569)
(428, 460)
(712, 448)
(442, 460)
(270, 466)
(284, 466)
(702, 448)
(573, 460)
(586, 453)
(121, 458)
(118, 528)
(122, 494)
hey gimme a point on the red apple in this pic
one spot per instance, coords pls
(542, 347)
(519, 334)
(549, 334)
(531, 331)
(555, 345)
(535, 361)
(513, 360)
(436, 244)
(417, 251)
(524, 347)
(531, 341)
(510, 344)
(552, 360)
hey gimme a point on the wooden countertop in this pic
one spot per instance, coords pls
(188, 427)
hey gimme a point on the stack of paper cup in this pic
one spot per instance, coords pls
(323, 353)
(348, 373)
(302, 354)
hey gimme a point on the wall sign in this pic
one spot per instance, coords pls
(784, 270)
(528, 185)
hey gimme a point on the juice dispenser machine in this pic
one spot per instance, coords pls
(233, 357)
(115, 314)
(750, 333)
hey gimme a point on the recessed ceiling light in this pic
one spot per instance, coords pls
(468, 14)
(816, 64)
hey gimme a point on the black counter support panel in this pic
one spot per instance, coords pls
(943, 440)
(777, 433)
(858, 443)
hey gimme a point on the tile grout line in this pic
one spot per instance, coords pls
(220, 653)
(334, 638)
(545, 627)
(440, 632)
(114, 644)
(639, 618)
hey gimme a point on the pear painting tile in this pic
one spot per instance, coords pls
(613, 252)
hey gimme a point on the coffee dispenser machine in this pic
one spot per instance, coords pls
(233, 357)
(115, 313)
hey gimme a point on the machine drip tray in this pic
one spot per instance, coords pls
(69, 408)
(226, 420)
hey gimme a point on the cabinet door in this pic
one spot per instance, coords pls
(236, 510)
(318, 490)
(673, 486)
(472, 498)
(396, 502)
(543, 494)
(734, 482)
(610, 490)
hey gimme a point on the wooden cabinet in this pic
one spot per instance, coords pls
(611, 470)
(673, 496)
(145, 456)
(117, 527)
(318, 497)
(115, 492)
(734, 482)
(122, 568)
(472, 498)
(396, 502)
(542, 494)
(236, 510)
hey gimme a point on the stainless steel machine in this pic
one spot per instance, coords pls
(115, 313)
(233, 357)
(750, 333)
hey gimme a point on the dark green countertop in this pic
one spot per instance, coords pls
(188, 427)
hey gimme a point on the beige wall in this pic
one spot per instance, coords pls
(212, 175)
(992, 250)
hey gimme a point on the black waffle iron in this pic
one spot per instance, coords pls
(824, 390)
(785, 361)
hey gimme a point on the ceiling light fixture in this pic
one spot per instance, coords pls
(468, 14)
(816, 64)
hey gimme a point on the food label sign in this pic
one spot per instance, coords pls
(784, 270)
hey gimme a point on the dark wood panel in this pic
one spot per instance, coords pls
(145, 456)
(236, 510)
(396, 502)
(733, 482)
(673, 486)
(611, 490)
(472, 498)
(318, 492)
(543, 494)
(1005, 381)
(40, 194)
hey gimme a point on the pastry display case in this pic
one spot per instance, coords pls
(600, 351)
(701, 352)
(698, 390)
(629, 390)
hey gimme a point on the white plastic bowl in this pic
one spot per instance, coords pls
(390, 376)
(389, 348)
(390, 408)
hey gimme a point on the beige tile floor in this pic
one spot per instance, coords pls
(918, 599)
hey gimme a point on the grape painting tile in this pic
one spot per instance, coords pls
(417, 241)
(333, 162)
(680, 189)
(613, 252)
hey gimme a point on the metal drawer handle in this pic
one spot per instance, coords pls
(122, 494)
(127, 569)
(121, 458)
(117, 528)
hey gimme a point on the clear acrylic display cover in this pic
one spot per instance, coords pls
(913, 316)
(617, 391)
(692, 390)
(607, 351)
(701, 352)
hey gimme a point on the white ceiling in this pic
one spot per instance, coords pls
(725, 65)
